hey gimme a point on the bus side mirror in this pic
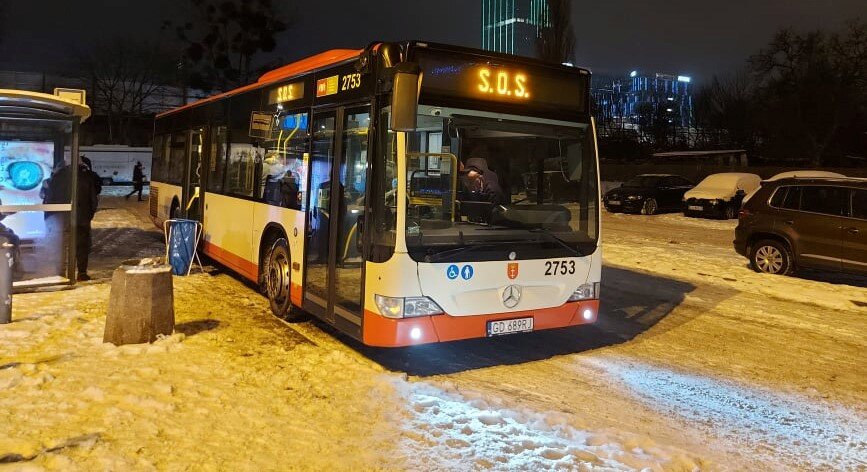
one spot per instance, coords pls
(404, 97)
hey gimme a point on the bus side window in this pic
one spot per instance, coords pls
(217, 161)
(244, 159)
(158, 166)
(241, 170)
(176, 158)
(284, 167)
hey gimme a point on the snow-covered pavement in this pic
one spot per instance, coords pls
(696, 363)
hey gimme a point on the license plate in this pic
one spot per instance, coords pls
(696, 208)
(517, 325)
(614, 202)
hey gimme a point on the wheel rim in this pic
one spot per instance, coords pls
(730, 212)
(769, 259)
(278, 278)
(650, 207)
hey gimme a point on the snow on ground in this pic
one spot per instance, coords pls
(676, 219)
(696, 363)
(455, 431)
(788, 423)
(234, 389)
(122, 190)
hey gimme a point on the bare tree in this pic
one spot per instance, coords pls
(223, 42)
(812, 90)
(556, 42)
(125, 75)
(727, 104)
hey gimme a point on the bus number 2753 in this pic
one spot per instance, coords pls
(559, 267)
(350, 81)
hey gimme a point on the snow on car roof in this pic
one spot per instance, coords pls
(804, 173)
(727, 179)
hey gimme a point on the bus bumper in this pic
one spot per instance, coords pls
(386, 332)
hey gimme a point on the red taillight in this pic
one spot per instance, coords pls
(744, 213)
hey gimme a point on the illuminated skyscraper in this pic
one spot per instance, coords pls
(512, 26)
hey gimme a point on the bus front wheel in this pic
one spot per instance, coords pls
(277, 276)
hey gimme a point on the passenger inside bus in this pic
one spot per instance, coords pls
(280, 183)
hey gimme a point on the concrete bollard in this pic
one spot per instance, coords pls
(7, 260)
(141, 304)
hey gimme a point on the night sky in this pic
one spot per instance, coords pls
(695, 37)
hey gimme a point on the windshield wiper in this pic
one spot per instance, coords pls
(436, 257)
(553, 238)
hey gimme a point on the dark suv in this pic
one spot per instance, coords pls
(805, 222)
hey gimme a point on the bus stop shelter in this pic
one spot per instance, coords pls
(38, 139)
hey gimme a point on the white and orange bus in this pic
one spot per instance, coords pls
(405, 193)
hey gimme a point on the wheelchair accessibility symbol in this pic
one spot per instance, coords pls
(465, 272)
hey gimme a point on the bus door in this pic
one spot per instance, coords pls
(338, 178)
(192, 184)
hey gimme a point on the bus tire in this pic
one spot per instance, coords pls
(277, 272)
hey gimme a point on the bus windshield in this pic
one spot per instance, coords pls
(487, 188)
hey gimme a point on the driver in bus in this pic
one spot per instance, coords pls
(479, 182)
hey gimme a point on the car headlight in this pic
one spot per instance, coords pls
(408, 307)
(586, 292)
(635, 197)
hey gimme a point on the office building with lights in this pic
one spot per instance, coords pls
(642, 99)
(513, 26)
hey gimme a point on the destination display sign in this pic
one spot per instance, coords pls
(515, 85)
(286, 93)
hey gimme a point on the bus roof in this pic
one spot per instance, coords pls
(308, 64)
(336, 56)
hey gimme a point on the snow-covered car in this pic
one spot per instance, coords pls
(648, 194)
(719, 195)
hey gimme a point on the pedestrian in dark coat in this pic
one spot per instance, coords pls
(87, 199)
(137, 181)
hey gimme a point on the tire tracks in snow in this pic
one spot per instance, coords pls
(802, 431)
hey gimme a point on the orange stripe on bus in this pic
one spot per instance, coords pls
(296, 294)
(247, 269)
(235, 262)
(386, 332)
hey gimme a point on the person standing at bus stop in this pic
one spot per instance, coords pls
(87, 200)
(137, 180)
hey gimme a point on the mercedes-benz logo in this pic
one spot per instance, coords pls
(511, 296)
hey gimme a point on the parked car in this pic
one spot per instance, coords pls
(648, 194)
(719, 195)
(795, 173)
(817, 222)
(804, 174)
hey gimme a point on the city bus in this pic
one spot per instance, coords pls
(405, 193)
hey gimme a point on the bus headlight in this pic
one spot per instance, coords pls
(399, 307)
(586, 292)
